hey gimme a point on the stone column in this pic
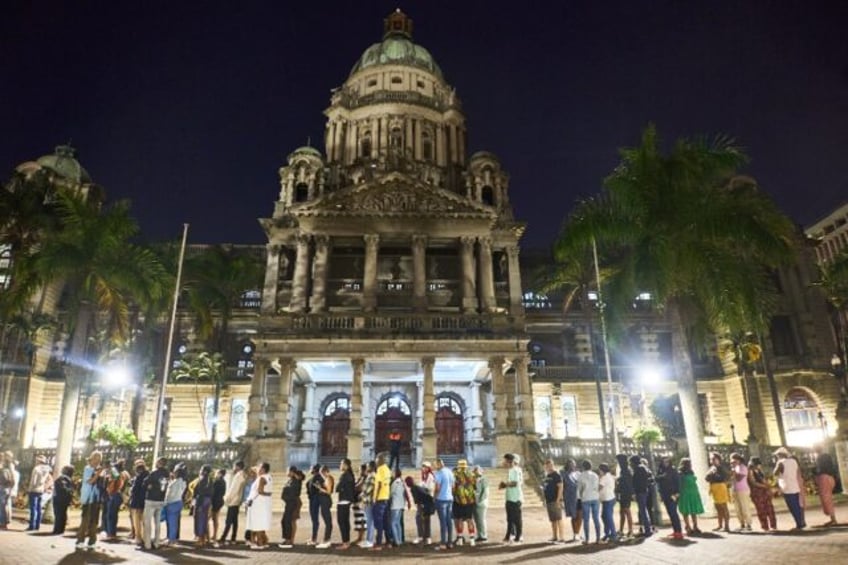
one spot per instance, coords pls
(408, 143)
(272, 276)
(301, 274)
(439, 153)
(516, 306)
(476, 414)
(355, 436)
(419, 423)
(454, 157)
(419, 270)
(384, 136)
(367, 426)
(256, 415)
(526, 421)
(557, 415)
(369, 276)
(428, 436)
(311, 417)
(318, 302)
(281, 419)
(499, 392)
(487, 280)
(417, 141)
(469, 287)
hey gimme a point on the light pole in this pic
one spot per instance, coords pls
(567, 450)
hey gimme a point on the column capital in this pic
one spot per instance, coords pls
(358, 364)
(303, 239)
(427, 363)
(512, 250)
(485, 241)
(321, 240)
(419, 240)
(287, 364)
(521, 361)
(274, 247)
(372, 240)
(496, 362)
(467, 240)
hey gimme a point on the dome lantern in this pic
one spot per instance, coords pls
(397, 23)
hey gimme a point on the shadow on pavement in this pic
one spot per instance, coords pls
(85, 557)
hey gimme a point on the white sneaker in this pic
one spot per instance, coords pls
(366, 545)
(416, 541)
(285, 545)
(460, 541)
(80, 545)
(428, 541)
(472, 542)
(325, 545)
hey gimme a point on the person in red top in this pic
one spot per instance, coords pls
(394, 450)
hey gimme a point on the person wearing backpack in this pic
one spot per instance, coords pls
(63, 495)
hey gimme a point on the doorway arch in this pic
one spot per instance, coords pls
(335, 426)
(450, 425)
(393, 415)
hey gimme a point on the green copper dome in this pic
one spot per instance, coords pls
(397, 49)
(63, 163)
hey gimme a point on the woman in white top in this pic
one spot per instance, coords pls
(259, 507)
(589, 494)
(791, 483)
(606, 492)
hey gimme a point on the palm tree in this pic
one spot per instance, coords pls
(697, 236)
(203, 366)
(833, 279)
(105, 274)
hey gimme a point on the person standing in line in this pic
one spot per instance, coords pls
(259, 507)
(641, 488)
(382, 491)
(346, 490)
(588, 489)
(173, 507)
(606, 494)
(464, 501)
(313, 490)
(291, 513)
(482, 507)
(219, 490)
(668, 484)
(40, 481)
(90, 501)
(115, 483)
(552, 489)
(424, 503)
(63, 495)
(741, 491)
(761, 495)
(689, 504)
(250, 478)
(717, 478)
(7, 483)
(325, 504)
(791, 483)
(202, 506)
(367, 498)
(514, 496)
(397, 504)
(156, 486)
(624, 494)
(443, 495)
(232, 500)
(573, 508)
(826, 478)
(359, 523)
(136, 501)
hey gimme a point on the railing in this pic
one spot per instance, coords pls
(378, 324)
(598, 449)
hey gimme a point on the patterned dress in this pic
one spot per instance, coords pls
(690, 502)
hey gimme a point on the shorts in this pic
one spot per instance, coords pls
(624, 502)
(554, 511)
(463, 511)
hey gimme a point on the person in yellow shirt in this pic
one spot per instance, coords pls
(382, 487)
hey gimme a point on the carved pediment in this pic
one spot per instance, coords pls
(394, 195)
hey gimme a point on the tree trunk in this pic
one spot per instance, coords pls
(690, 406)
(73, 385)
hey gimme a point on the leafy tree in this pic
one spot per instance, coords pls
(684, 226)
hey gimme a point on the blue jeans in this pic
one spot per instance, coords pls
(113, 504)
(397, 530)
(608, 518)
(644, 517)
(591, 508)
(34, 510)
(173, 511)
(4, 496)
(443, 509)
(793, 502)
(671, 509)
(379, 509)
(369, 522)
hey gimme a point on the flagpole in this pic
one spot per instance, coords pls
(157, 438)
(601, 307)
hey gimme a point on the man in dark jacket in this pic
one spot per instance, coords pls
(136, 503)
(291, 498)
(642, 479)
(668, 482)
(63, 494)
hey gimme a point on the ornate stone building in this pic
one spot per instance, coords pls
(392, 297)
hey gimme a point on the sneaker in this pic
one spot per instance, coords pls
(506, 539)
(80, 545)
(472, 542)
(748, 528)
(366, 545)
(460, 541)
(519, 541)
(285, 545)
(310, 542)
(428, 541)
(416, 541)
(325, 545)
(91, 547)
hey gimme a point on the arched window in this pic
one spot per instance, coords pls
(448, 402)
(488, 196)
(5, 266)
(395, 138)
(365, 144)
(340, 403)
(301, 192)
(801, 418)
(426, 146)
(396, 402)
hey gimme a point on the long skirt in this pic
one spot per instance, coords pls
(826, 484)
(201, 517)
(358, 517)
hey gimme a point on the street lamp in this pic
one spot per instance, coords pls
(838, 371)
(648, 375)
(19, 416)
(117, 375)
(565, 421)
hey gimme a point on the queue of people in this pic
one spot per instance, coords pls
(371, 504)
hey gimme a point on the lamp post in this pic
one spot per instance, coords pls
(733, 434)
(823, 425)
(648, 375)
(567, 449)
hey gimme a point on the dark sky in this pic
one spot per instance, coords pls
(188, 108)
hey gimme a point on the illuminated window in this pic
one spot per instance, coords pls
(251, 299)
(245, 364)
(542, 415)
(537, 301)
(5, 265)
(448, 402)
(339, 403)
(395, 401)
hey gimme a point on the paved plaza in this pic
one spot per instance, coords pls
(815, 545)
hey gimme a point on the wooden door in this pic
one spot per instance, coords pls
(450, 432)
(334, 432)
(393, 420)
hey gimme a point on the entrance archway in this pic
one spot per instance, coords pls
(802, 418)
(335, 426)
(393, 415)
(450, 426)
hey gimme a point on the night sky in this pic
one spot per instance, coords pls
(189, 108)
